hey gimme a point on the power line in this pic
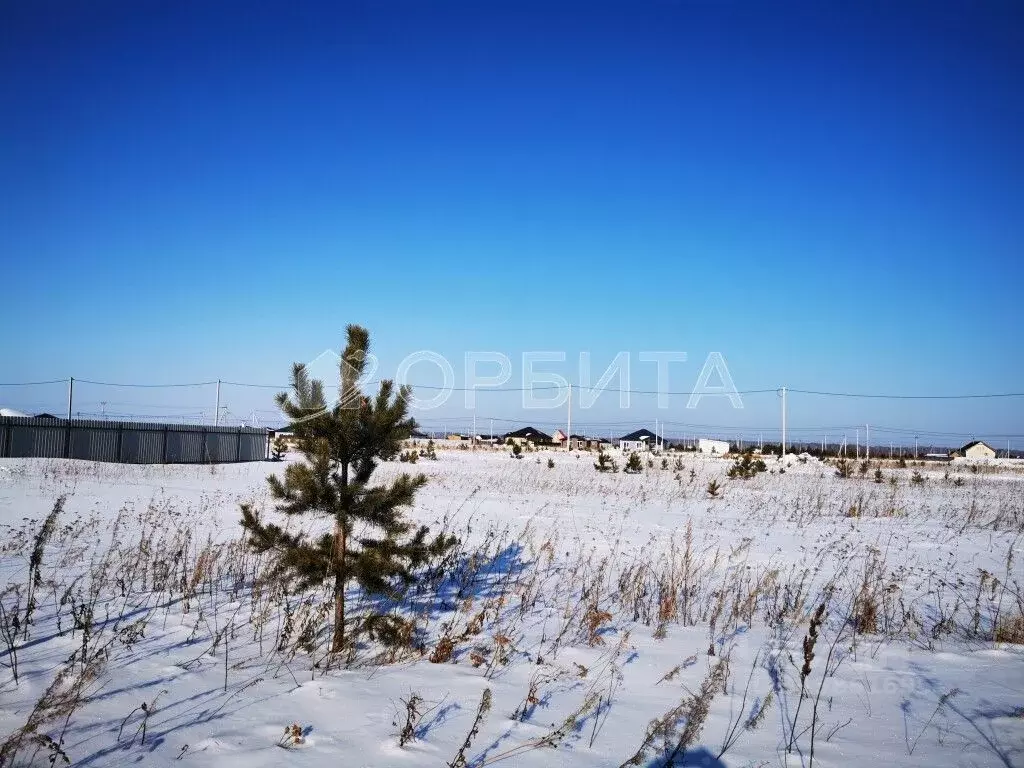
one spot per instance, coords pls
(906, 397)
(145, 386)
(33, 383)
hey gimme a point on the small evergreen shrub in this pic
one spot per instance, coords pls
(605, 463)
(746, 467)
(633, 464)
(279, 448)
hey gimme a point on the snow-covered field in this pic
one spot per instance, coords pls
(582, 606)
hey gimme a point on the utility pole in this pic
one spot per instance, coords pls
(474, 431)
(568, 422)
(867, 442)
(783, 422)
(491, 435)
(915, 446)
(71, 395)
(216, 412)
(857, 438)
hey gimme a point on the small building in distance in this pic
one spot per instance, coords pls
(527, 435)
(584, 443)
(578, 443)
(559, 437)
(712, 447)
(976, 449)
(639, 441)
(285, 433)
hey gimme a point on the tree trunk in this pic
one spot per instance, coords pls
(341, 545)
(338, 641)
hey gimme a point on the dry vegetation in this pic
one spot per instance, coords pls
(516, 594)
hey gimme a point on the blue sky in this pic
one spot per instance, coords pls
(831, 197)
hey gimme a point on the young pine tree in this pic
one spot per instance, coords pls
(341, 445)
(279, 448)
(634, 465)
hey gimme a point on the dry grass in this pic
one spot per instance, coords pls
(1009, 629)
(103, 585)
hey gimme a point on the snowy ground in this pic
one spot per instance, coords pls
(586, 603)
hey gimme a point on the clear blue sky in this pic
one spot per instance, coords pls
(829, 194)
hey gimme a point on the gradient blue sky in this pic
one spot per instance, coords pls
(829, 194)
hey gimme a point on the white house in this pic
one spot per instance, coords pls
(975, 450)
(713, 447)
(639, 441)
(559, 437)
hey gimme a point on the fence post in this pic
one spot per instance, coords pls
(120, 441)
(163, 455)
(67, 437)
(238, 446)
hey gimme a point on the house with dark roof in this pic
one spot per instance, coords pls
(527, 435)
(640, 440)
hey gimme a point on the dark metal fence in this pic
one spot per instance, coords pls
(129, 442)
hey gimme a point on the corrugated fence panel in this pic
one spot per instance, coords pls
(252, 448)
(129, 442)
(40, 440)
(94, 444)
(185, 447)
(221, 447)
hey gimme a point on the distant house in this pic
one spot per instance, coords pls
(713, 447)
(584, 443)
(559, 437)
(285, 433)
(976, 449)
(528, 435)
(641, 440)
